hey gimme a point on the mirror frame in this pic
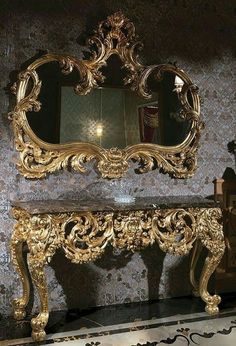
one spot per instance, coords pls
(115, 35)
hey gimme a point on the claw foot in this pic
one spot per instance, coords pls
(38, 324)
(212, 305)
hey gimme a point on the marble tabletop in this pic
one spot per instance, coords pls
(140, 203)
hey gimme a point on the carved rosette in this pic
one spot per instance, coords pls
(116, 35)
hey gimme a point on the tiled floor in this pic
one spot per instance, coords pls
(179, 321)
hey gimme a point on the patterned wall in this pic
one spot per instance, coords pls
(200, 36)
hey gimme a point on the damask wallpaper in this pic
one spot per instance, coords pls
(200, 37)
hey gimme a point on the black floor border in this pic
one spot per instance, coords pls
(177, 322)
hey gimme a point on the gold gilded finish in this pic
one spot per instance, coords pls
(116, 35)
(175, 230)
(210, 233)
(194, 259)
(88, 237)
(18, 238)
(84, 236)
(133, 230)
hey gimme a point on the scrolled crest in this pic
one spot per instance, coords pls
(115, 36)
(118, 27)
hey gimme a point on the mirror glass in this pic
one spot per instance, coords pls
(111, 115)
(108, 108)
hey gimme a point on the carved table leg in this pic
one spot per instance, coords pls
(194, 259)
(16, 246)
(210, 265)
(39, 322)
(212, 237)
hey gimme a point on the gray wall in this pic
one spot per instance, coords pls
(200, 36)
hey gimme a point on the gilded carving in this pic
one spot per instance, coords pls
(84, 236)
(209, 229)
(175, 230)
(116, 35)
(19, 237)
(36, 265)
(133, 230)
(87, 237)
(114, 163)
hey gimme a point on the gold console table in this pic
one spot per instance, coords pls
(83, 229)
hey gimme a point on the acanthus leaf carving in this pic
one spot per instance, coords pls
(116, 35)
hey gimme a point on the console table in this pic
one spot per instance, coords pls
(83, 229)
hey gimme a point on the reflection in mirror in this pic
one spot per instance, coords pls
(109, 116)
(106, 116)
(162, 129)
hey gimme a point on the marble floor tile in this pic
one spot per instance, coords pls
(181, 322)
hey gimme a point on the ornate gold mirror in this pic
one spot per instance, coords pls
(110, 108)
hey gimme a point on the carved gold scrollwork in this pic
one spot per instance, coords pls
(116, 35)
(18, 238)
(86, 236)
(113, 164)
(210, 231)
(175, 230)
(45, 235)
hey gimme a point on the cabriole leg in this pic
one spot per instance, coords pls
(194, 259)
(16, 246)
(210, 265)
(39, 322)
(211, 235)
